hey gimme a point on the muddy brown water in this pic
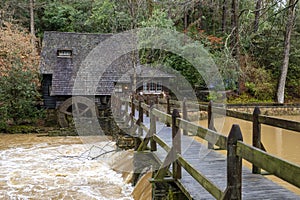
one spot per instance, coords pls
(33, 167)
(282, 143)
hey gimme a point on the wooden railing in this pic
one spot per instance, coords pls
(236, 148)
(256, 118)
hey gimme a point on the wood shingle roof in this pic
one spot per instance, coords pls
(64, 68)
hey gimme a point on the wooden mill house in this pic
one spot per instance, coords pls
(62, 55)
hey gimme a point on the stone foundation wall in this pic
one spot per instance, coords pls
(271, 111)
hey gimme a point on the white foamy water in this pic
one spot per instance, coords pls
(63, 171)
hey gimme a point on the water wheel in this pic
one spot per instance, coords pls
(76, 107)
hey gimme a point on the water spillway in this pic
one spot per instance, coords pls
(57, 168)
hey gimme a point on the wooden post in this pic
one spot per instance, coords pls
(132, 106)
(132, 114)
(141, 114)
(184, 114)
(126, 106)
(153, 144)
(140, 129)
(211, 124)
(148, 103)
(234, 165)
(256, 136)
(168, 108)
(119, 107)
(176, 142)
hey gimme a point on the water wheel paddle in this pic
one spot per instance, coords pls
(76, 107)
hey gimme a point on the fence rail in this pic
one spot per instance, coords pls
(236, 148)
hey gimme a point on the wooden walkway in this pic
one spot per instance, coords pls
(213, 165)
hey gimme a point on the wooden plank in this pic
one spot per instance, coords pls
(136, 102)
(161, 143)
(272, 121)
(165, 179)
(145, 142)
(164, 168)
(279, 167)
(205, 182)
(162, 117)
(145, 107)
(280, 123)
(204, 133)
(239, 115)
(144, 127)
(125, 99)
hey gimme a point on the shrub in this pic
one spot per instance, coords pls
(18, 95)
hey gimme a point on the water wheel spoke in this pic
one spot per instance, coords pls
(84, 111)
(76, 107)
(66, 112)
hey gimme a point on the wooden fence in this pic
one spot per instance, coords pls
(236, 148)
(256, 118)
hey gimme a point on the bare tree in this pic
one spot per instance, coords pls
(286, 51)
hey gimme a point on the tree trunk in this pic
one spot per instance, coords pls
(235, 29)
(150, 7)
(185, 19)
(200, 15)
(32, 31)
(257, 15)
(133, 6)
(286, 51)
(235, 38)
(224, 16)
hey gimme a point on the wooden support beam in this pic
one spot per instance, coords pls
(164, 168)
(283, 169)
(132, 106)
(280, 123)
(140, 129)
(200, 178)
(234, 165)
(153, 144)
(211, 123)
(164, 180)
(256, 136)
(168, 109)
(176, 143)
(141, 114)
(184, 114)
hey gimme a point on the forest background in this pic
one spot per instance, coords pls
(255, 44)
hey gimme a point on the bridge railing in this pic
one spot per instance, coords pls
(256, 118)
(236, 150)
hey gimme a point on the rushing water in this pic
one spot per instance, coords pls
(33, 167)
(57, 168)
